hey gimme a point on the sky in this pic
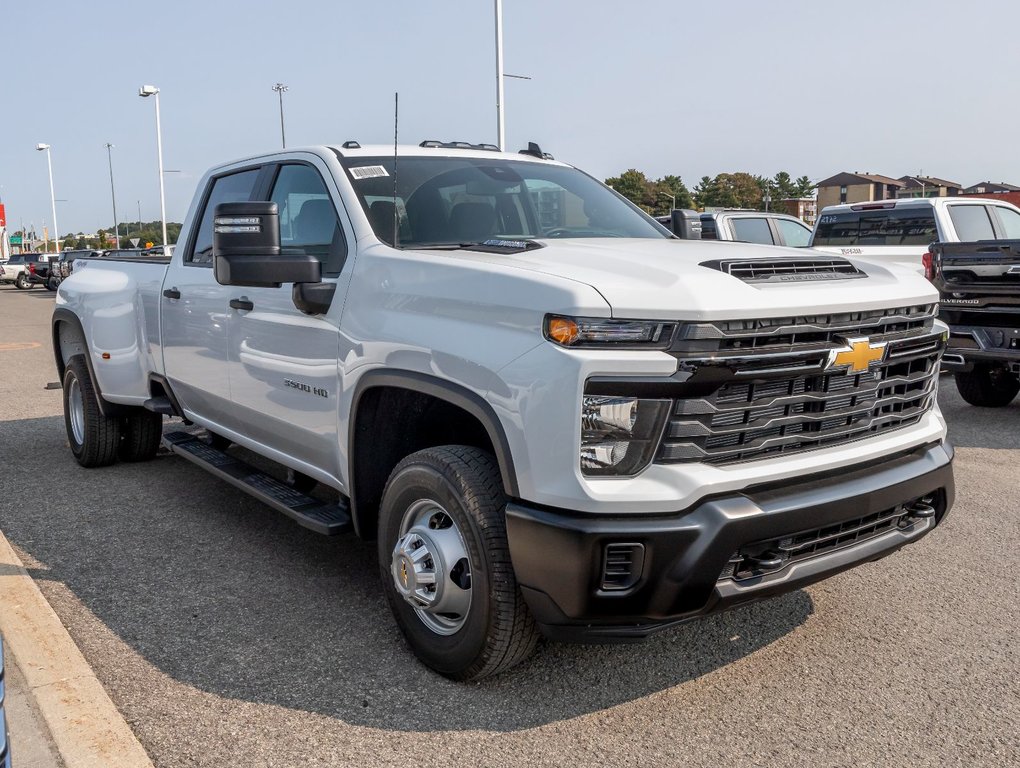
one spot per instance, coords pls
(667, 87)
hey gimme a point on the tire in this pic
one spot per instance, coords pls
(141, 433)
(987, 386)
(51, 284)
(21, 282)
(462, 486)
(94, 438)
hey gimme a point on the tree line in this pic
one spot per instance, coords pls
(726, 190)
(145, 231)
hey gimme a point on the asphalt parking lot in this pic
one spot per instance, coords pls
(229, 636)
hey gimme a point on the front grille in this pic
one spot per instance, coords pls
(787, 270)
(775, 397)
(763, 557)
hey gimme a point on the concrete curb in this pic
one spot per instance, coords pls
(86, 727)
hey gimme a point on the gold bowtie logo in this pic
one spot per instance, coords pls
(403, 572)
(857, 356)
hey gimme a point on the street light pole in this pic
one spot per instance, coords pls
(672, 200)
(500, 126)
(280, 88)
(113, 197)
(145, 91)
(53, 198)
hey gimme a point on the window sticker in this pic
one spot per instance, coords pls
(368, 172)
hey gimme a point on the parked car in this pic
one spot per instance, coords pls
(744, 226)
(38, 271)
(979, 285)
(549, 414)
(63, 266)
(900, 231)
(15, 269)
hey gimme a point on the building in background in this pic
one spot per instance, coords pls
(856, 188)
(990, 188)
(928, 186)
(804, 208)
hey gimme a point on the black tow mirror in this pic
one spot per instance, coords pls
(246, 248)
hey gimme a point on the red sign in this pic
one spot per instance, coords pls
(3, 217)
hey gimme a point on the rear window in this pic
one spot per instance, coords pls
(903, 226)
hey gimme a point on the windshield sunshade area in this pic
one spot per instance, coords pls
(451, 202)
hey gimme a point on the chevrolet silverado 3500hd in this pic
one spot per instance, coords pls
(552, 415)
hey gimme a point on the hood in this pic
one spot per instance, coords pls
(664, 279)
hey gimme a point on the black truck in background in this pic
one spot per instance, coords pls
(979, 283)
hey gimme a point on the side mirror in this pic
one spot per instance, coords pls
(685, 223)
(246, 248)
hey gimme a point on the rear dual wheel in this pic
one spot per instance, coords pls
(987, 386)
(98, 439)
(445, 564)
(21, 282)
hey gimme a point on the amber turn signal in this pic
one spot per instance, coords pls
(562, 330)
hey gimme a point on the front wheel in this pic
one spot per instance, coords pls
(51, 284)
(988, 387)
(445, 564)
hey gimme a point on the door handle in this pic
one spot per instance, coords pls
(172, 293)
(241, 303)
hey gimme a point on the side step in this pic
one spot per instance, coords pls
(318, 516)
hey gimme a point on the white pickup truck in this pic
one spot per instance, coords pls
(900, 231)
(552, 415)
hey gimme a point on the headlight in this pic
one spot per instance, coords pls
(608, 332)
(619, 435)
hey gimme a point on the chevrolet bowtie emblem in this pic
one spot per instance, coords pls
(857, 356)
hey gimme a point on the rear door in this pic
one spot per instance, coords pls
(195, 314)
(284, 370)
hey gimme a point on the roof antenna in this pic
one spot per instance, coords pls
(396, 114)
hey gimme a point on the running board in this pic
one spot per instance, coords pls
(319, 516)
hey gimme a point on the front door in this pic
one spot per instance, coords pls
(284, 363)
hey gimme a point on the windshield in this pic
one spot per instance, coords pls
(454, 201)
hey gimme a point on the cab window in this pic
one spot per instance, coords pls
(1009, 221)
(232, 188)
(752, 230)
(971, 222)
(308, 219)
(794, 234)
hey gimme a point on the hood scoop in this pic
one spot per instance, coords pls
(786, 270)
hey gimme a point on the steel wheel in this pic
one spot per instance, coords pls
(431, 569)
(76, 411)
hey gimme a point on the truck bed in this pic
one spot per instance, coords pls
(118, 300)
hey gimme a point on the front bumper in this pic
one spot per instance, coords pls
(682, 561)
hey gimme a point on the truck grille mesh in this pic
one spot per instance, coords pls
(779, 398)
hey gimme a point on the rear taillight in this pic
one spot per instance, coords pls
(928, 260)
(31, 269)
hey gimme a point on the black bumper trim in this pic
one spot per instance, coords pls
(557, 554)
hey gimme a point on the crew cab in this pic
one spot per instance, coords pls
(741, 225)
(550, 414)
(979, 283)
(900, 231)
